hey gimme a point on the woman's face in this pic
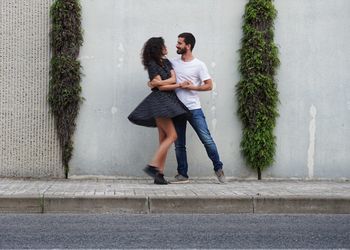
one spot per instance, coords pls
(164, 50)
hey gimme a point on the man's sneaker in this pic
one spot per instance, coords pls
(220, 175)
(180, 179)
(151, 171)
(159, 179)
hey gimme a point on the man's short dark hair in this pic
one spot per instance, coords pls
(188, 39)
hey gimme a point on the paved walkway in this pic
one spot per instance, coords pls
(198, 196)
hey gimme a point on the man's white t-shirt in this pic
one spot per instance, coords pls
(194, 71)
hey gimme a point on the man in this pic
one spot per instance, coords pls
(194, 72)
(191, 76)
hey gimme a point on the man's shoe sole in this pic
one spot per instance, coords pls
(180, 182)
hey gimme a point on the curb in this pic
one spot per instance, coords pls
(206, 205)
(302, 205)
(95, 205)
(158, 205)
(20, 204)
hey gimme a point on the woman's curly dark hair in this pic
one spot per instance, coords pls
(152, 51)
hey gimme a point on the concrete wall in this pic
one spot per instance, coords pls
(28, 141)
(313, 81)
(115, 82)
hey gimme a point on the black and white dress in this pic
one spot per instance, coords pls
(158, 103)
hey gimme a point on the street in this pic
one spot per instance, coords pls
(173, 231)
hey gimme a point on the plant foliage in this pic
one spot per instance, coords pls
(65, 71)
(257, 90)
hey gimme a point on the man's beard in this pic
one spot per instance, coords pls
(181, 51)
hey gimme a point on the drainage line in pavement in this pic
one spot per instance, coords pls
(42, 203)
(253, 204)
(148, 205)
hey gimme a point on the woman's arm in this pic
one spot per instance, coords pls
(157, 81)
(169, 87)
(165, 85)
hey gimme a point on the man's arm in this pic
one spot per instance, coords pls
(207, 86)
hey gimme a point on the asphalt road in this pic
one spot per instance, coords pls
(174, 231)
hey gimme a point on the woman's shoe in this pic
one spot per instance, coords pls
(159, 179)
(151, 171)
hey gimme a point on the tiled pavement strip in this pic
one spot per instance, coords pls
(198, 196)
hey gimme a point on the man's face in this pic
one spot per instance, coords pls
(181, 47)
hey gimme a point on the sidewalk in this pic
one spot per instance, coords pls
(198, 196)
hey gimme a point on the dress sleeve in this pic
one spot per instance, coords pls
(169, 65)
(153, 70)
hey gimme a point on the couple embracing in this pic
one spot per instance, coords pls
(173, 102)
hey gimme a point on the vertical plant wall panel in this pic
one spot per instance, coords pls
(28, 140)
(257, 89)
(65, 72)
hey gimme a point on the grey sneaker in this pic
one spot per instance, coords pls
(180, 179)
(221, 176)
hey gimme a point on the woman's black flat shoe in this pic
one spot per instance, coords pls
(159, 179)
(151, 171)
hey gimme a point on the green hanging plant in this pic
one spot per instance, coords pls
(65, 71)
(257, 90)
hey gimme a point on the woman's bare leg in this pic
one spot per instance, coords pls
(165, 127)
(162, 135)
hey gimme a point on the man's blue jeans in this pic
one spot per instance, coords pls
(199, 124)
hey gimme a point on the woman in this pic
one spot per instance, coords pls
(159, 107)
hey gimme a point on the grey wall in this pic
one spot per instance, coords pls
(115, 82)
(313, 80)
